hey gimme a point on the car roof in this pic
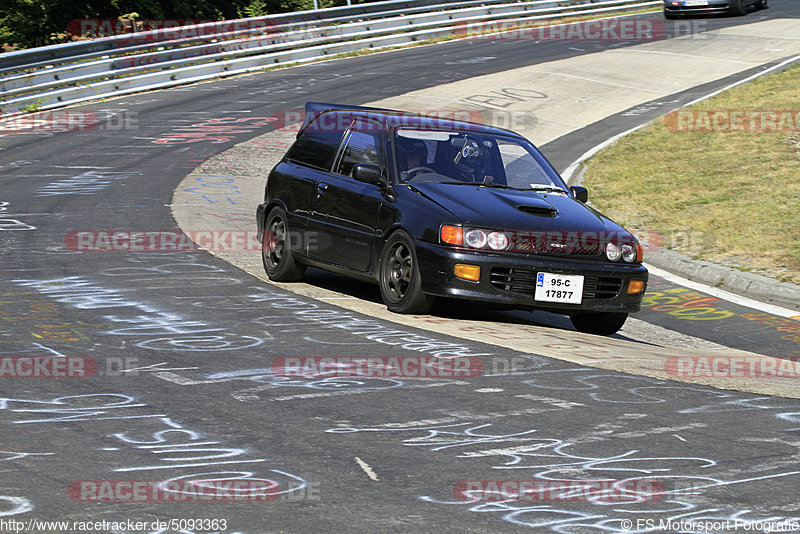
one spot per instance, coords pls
(392, 120)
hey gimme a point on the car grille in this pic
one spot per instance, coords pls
(524, 281)
(556, 244)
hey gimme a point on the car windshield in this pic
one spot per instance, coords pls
(472, 158)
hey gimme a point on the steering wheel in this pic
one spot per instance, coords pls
(415, 170)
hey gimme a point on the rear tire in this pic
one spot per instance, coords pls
(400, 281)
(276, 250)
(761, 4)
(600, 323)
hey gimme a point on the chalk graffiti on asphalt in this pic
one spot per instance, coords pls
(174, 332)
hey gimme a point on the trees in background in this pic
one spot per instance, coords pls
(29, 23)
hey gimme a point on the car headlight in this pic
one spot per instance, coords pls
(497, 240)
(628, 253)
(475, 238)
(613, 252)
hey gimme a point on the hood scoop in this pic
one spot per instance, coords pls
(540, 210)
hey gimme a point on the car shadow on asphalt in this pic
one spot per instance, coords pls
(450, 308)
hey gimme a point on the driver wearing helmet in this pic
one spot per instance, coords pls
(411, 153)
(470, 161)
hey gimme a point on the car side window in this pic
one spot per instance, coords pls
(318, 144)
(360, 147)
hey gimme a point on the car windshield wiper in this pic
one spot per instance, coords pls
(481, 184)
(492, 184)
(542, 188)
(552, 188)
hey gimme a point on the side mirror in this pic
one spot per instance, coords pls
(580, 193)
(370, 174)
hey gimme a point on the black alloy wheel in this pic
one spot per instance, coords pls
(400, 280)
(276, 252)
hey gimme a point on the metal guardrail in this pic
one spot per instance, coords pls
(58, 75)
(46, 54)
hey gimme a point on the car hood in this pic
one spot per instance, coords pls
(511, 209)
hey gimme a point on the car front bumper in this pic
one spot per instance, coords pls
(510, 279)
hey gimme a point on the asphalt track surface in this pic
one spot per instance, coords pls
(187, 386)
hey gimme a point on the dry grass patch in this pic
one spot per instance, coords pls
(732, 197)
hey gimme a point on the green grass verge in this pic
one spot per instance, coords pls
(717, 194)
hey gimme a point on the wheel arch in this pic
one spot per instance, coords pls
(394, 229)
(413, 299)
(262, 219)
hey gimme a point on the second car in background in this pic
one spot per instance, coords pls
(674, 8)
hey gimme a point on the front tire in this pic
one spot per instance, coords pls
(400, 281)
(669, 15)
(276, 250)
(600, 323)
(761, 4)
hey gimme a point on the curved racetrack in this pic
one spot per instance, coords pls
(186, 343)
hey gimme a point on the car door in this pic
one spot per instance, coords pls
(346, 211)
(295, 180)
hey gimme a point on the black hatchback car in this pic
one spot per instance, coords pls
(675, 8)
(429, 207)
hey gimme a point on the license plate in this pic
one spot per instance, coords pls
(551, 287)
(695, 3)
